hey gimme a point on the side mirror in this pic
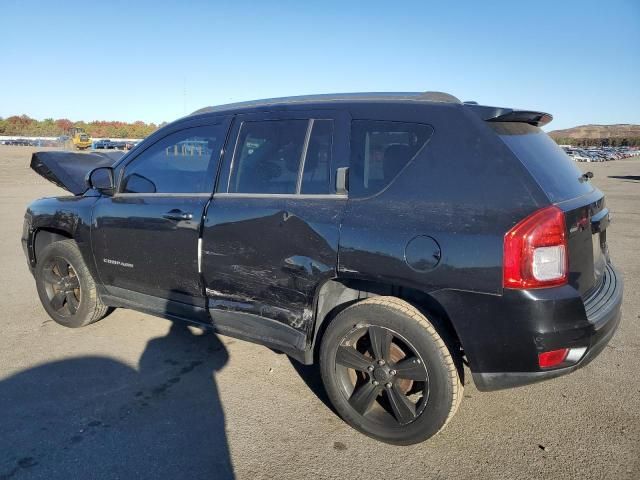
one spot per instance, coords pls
(101, 179)
(342, 180)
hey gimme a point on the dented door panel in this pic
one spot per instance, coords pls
(241, 246)
(266, 256)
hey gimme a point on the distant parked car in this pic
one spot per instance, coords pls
(105, 143)
(119, 145)
(577, 156)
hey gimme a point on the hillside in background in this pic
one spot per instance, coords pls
(29, 127)
(612, 135)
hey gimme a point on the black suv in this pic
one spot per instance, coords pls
(388, 237)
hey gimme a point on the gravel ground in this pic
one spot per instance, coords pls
(137, 397)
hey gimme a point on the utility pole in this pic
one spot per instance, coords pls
(184, 95)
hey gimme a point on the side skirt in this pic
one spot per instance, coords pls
(248, 327)
(261, 330)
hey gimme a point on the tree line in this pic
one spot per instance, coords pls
(599, 142)
(23, 125)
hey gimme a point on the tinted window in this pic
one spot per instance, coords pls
(316, 177)
(554, 171)
(183, 162)
(379, 150)
(267, 156)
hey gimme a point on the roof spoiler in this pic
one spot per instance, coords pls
(498, 114)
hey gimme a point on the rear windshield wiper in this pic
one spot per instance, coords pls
(586, 176)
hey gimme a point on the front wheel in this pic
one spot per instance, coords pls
(388, 372)
(65, 286)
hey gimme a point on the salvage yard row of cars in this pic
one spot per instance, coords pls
(105, 143)
(30, 142)
(599, 154)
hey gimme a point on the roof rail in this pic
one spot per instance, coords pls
(438, 97)
(337, 97)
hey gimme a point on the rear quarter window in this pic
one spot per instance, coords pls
(547, 163)
(380, 150)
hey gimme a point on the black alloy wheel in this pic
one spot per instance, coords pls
(62, 286)
(66, 287)
(388, 372)
(382, 375)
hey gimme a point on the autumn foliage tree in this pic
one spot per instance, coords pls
(25, 126)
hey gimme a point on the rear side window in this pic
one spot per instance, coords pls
(283, 157)
(380, 150)
(267, 157)
(547, 163)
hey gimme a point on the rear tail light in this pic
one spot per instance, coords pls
(535, 251)
(562, 357)
(552, 358)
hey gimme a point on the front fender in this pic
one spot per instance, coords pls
(60, 217)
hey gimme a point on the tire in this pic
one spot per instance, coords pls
(388, 372)
(65, 286)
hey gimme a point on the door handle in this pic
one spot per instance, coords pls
(177, 214)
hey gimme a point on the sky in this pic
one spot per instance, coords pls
(158, 60)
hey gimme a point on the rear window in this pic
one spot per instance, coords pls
(554, 171)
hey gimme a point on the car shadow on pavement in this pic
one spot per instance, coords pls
(96, 417)
(632, 178)
(310, 374)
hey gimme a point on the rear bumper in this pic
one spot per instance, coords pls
(502, 335)
(603, 313)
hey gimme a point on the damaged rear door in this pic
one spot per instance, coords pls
(271, 234)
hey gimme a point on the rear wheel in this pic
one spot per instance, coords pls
(65, 286)
(388, 372)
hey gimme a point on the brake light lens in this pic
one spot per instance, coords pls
(552, 358)
(535, 251)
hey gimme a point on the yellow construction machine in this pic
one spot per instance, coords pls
(79, 138)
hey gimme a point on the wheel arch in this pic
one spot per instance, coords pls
(86, 306)
(45, 236)
(337, 294)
